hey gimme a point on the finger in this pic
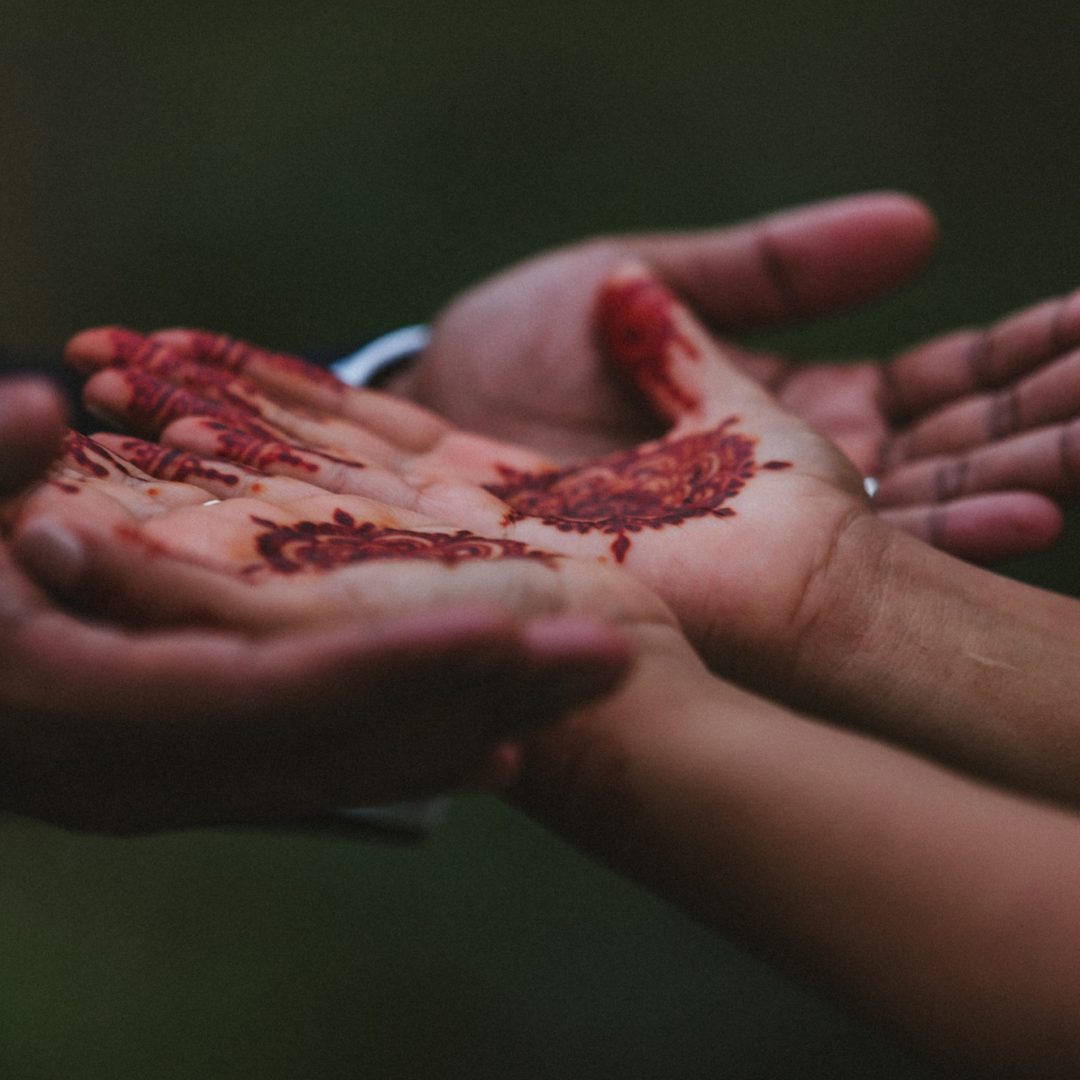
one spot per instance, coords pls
(1049, 395)
(145, 404)
(816, 259)
(968, 361)
(316, 429)
(286, 378)
(252, 565)
(171, 729)
(656, 342)
(297, 381)
(222, 480)
(113, 492)
(1047, 460)
(275, 457)
(983, 528)
(31, 428)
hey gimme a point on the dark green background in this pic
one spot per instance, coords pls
(305, 173)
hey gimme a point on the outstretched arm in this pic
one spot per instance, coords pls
(935, 906)
(748, 523)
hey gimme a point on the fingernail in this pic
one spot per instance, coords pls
(53, 553)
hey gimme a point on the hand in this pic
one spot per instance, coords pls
(729, 516)
(514, 358)
(107, 729)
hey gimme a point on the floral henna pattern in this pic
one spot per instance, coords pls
(327, 545)
(637, 325)
(662, 484)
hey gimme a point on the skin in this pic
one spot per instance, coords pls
(499, 364)
(820, 848)
(111, 730)
(802, 592)
(934, 906)
(737, 625)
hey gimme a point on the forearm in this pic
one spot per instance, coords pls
(970, 667)
(932, 904)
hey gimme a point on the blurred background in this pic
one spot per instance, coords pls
(313, 173)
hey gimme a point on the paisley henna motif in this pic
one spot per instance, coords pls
(326, 545)
(648, 487)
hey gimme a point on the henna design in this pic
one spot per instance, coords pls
(221, 351)
(88, 456)
(637, 326)
(176, 465)
(239, 356)
(648, 487)
(264, 454)
(155, 404)
(326, 545)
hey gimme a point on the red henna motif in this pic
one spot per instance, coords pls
(664, 483)
(175, 465)
(125, 345)
(129, 347)
(638, 328)
(326, 545)
(265, 454)
(240, 356)
(154, 404)
(87, 455)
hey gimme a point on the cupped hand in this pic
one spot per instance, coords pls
(514, 357)
(116, 729)
(729, 516)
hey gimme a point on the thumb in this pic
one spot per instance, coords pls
(31, 427)
(799, 263)
(666, 353)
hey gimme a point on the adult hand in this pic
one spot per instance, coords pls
(728, 516)
(107, 729)
(748, 522)
(514, 357)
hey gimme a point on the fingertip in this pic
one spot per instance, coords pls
(32, 422)
(551, 637)
(90, 350)
(52, 553)
(575, 659)
(848, 250)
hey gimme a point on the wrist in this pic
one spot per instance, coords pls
(966, 666)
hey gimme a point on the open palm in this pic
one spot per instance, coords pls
(729, 515)
(514, 357)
